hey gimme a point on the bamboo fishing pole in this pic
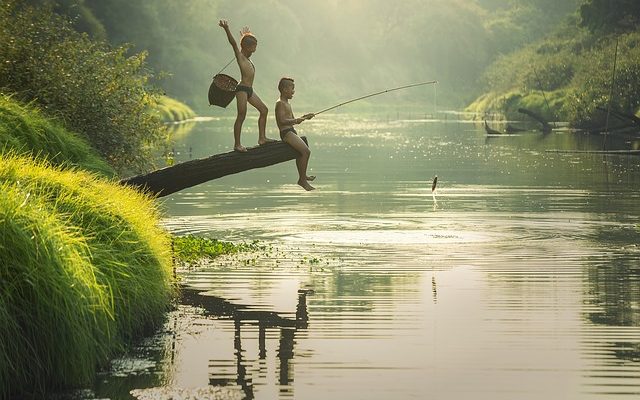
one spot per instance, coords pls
(375, 94)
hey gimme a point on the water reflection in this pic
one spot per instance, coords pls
(218, 307)
(520, 282)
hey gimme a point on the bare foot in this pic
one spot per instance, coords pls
(240, 149)
(311, 178)
(305, 185)
(266, 140)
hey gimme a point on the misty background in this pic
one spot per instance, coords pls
(335, 50)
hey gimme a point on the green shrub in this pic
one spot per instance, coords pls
(94, 89)
(591, 86)
(574, 69)
(84, 269)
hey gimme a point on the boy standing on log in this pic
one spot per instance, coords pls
(285, 121)
(244, 90)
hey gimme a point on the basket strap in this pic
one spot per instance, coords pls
(230, 61)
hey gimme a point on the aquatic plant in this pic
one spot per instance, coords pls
(84, 269)
(191, 248)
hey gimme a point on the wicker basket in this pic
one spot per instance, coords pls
(222, 90)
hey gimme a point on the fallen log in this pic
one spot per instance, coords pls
(622, 116)
(168, 180)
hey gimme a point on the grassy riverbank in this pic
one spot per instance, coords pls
(567, 76)
(172, 110)
(86, 268)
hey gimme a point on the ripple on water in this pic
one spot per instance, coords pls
(393, 237)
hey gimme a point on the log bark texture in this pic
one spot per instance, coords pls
(168, 180)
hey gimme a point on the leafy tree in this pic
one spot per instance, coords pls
(96, 90)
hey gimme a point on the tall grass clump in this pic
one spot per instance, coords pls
(24, 129)
(55, 317)
(111, 267)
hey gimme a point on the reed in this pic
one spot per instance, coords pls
(84, 269)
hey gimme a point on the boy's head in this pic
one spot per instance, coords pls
(286, 86)
(248, 42)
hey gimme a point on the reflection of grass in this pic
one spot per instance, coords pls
(193, 248)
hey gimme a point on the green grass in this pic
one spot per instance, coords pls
(191, 248)
(24, 129)
(84, 269)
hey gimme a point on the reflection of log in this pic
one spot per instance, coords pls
(489, 130)
(219, 307)
(514, 129)
(171, 179)
(546, 128)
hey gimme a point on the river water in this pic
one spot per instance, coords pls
(518, 279)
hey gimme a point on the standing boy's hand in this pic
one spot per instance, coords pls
(308, 116)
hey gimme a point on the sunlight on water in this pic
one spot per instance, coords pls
(520, 282)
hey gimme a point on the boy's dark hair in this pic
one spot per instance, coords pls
(283, 82)
(248, 39)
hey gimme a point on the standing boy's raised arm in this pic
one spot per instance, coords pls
(224, 24)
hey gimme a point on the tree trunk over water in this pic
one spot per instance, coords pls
(546, 128)
(165, 181)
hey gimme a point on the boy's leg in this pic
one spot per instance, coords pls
(241, 102)
(255, 101)
(301, 147)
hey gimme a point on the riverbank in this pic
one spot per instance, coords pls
(571, 75)
(87, 268)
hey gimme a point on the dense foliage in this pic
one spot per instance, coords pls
(568, 75)
(94, 89)
(610, 15)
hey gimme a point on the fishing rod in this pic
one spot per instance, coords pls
(377, 93)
